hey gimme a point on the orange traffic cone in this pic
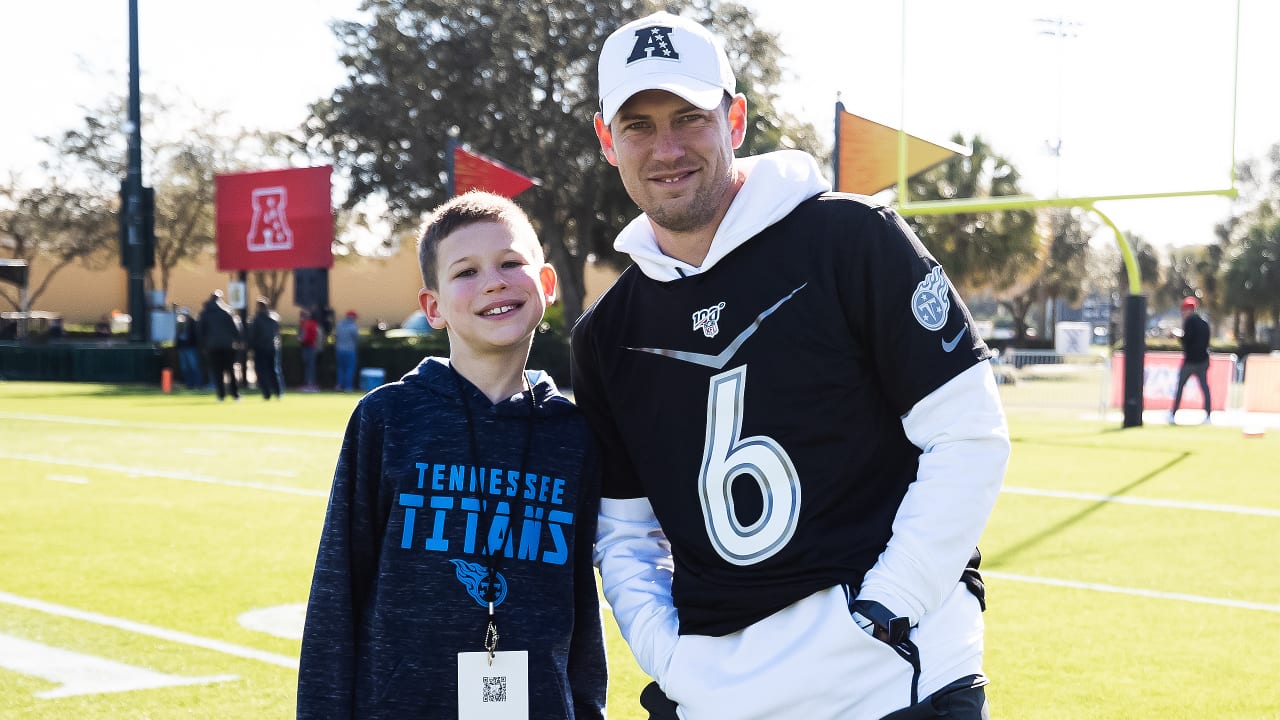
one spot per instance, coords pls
(166, 381)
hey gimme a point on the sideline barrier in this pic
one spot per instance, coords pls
(1262, 383)
(1160, 381)
(81, 362)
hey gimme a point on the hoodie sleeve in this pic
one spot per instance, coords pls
(327, 669)
(588, 666)
(636, 568)
(965, 441)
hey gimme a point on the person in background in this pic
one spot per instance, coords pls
(1195, 356)
(800, 429)
(187, 341)
(264, 342)
(457, 543)
(326, 317)
(221, 333)
(309, 340)
(346, 342)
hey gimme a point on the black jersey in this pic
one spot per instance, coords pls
(758, 404)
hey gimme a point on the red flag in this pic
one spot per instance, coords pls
(275, 220)
(473, 171)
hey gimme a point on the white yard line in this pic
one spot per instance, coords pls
(150, 630)
(1098, 587)
(1150, 502)
(165, 474)
(182, 427)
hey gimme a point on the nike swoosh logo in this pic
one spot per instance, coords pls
(720, 359)
(949, 346)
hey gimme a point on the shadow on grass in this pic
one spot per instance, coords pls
(1007, 556)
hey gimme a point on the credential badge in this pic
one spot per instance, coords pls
(931, 302)
(708, 320)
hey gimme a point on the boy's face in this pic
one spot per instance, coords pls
(491, 289)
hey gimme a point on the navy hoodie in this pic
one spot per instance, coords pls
(401, 581)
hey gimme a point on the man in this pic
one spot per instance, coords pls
(264, 341)
(1195, 356)
(801, 435)
(187, 340)
(221, 333)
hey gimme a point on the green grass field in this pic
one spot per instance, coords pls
(165, 543)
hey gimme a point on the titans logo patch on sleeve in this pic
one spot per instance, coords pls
(930, 303)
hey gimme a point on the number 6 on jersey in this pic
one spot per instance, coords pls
(726, 457)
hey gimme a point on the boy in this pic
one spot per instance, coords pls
(410, 614)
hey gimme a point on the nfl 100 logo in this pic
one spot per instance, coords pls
(708, 320)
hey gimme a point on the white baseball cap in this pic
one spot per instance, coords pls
(663, 52)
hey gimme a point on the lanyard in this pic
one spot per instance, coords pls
(493, 559)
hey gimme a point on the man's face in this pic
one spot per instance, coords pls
(675, 159)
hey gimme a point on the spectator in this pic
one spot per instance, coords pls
(221, 332)
(346, 342)
(1195, 356)
(187, 341)
(309, 339)
(264, 341)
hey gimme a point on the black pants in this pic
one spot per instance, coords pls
(223, 363)
(264, 363)
(1200, 371)
(961, 700)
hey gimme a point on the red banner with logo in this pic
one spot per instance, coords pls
(275, 219)
(1160, 381)
(473, 171)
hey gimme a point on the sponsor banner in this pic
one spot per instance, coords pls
(275, 220)
(1160, 381)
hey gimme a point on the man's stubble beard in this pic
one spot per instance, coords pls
(697, 213)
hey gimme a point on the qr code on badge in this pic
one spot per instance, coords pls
(495, 689)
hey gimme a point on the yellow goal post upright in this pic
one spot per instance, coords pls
(914, 154)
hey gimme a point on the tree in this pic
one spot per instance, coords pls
(1252, 278)
(1190, 271)
(1148, 260)
(998, 252)
(1249, 248)
(518, 82)
(1062, 274)
(53, 225)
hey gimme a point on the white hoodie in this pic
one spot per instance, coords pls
(775, 183)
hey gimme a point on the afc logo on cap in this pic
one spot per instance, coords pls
(653, 42)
